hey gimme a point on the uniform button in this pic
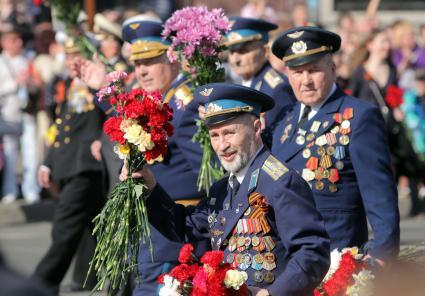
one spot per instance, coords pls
(56, 144)
(68, 116)
(58, 121)
(67, 128)
(66, 140)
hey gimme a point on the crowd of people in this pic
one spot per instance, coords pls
(341, 112)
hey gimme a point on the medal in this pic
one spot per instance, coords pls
(306, 153)
(315, 126)
(330, 150)
(330, 139)
(255, 240)
(258, 277)
(320, 141)
(333, 175)
(325, 124)
(247, 257)
(335, 129)
(333, 188)
(308, 175)
(268, 277)
(325, 161)
(310, 137)
(300, 140)
(321, 151)
(339, 165)
(319, 185)
(230, 258)
(344, 140)
(312, 163)
(325, 174)
(239, 258)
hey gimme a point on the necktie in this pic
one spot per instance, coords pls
(235, 187)
(304, 116)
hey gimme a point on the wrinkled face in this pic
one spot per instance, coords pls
(246, 61)
(155, 74)
(380, 45)
(235, 141)
(312, 82)
(71, 64)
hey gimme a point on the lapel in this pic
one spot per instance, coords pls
(257, 82)
(241, 198)
(325, 114)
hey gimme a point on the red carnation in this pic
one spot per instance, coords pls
(160, 279)
(213, 258)
(112, 129)
(186, 255)
(394, 96)
(342, 277)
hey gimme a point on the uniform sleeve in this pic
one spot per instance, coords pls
(302, 230)
(175, 221)
(184, 133)
(376, 183)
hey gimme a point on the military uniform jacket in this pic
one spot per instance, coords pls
(343, 153)
(276, 85)
(271, 229)
(78, 124)
(183, 159)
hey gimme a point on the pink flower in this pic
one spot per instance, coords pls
(200, 280)
(116, 75)
(171, 55)
(105, 92)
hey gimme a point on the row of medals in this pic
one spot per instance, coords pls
(243, 259)
(322, 151)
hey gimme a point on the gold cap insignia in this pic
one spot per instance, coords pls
(296, 34)
(299, 47)
(206, 92)
(134, 26)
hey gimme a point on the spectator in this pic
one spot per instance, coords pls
(259, 9)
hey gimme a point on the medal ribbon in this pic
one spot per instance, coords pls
(333, 175)
(326, 161)
(339, 152)
(312, 163)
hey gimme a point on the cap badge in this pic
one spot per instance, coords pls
(233, 36)
(134, 26)
(213, 108)
(206, 92)
(299, 47)
(296, 34)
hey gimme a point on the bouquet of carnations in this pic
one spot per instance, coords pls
(208, 276)
(196, 35)
(141, 127)
(348, 275)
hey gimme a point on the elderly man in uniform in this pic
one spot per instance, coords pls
(338, 144)
(79, 175)
(248, 59)
(154, 72)
(286, 251)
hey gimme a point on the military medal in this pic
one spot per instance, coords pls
(255, 240)
(222, 221)
(268, 277)
(344, 140)
(333, 177)
(247, 257)
(300, 140)
(307, 175)
(339, 165)
(330, 150)
(325, 124)
(257, 261)
(309, 137)
(232, 243)
(258, 277)
(285, 134)
(306, 153)
(333, 188)
(312, 163)
(325, 174)
(321, 151)
(315, 127)
(226, 206)
(212, 219)
(269, 261)
(325, 161)
(330, 139)
(319, 185)
(335, 129)
(230, 258)
(239, 259)
(320, 141)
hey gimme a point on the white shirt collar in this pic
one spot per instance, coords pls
(316, 108)
(247, 83)
(240, 175)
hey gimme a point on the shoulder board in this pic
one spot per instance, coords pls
(274, 168)
(168, 95)
(273, 78)
(183, 94)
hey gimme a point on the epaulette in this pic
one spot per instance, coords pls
(274, 168)
(273, 78)
(183, 94)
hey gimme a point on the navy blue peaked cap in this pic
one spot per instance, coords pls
(248, 29)
(225, 101)
(302, 45)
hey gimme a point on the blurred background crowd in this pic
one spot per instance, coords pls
(382, 60)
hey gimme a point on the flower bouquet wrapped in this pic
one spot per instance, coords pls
(196, 35)
(140, 128)
(208, 276)
(348, 275)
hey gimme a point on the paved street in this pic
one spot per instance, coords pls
(24, 244)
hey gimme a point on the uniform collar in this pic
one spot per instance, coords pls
(240, 175)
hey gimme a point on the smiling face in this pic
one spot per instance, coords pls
(312, 82)
(155, 74)
(380, 45)
(247, 60)
(235, 141)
